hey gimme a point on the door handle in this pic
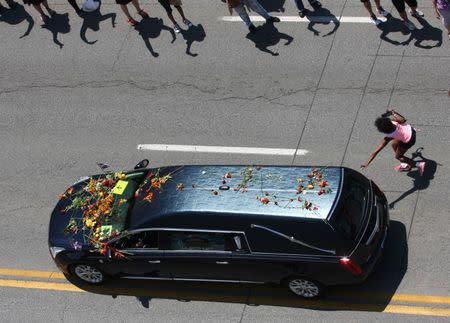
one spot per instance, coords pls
(154, 261)
(222, 262)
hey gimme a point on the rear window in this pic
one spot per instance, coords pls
(348, 217)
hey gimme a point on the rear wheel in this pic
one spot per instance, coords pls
(89, 274)
(304, 287)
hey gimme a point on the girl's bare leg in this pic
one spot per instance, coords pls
(400, 154)
(125, 10)
(180, 10)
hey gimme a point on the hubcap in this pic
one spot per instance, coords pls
(304, 288)
(89, 274)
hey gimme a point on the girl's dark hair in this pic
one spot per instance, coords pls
(384, 125)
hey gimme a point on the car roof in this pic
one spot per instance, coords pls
(267, 190)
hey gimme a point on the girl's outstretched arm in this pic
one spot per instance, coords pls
(377, 150)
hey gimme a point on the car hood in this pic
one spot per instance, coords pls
(59, 220)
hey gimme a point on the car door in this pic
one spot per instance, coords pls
(139, 256)
(197, 255)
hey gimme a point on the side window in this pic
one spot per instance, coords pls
(189, 240)
(144, 240)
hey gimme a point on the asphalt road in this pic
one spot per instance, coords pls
(92, 94)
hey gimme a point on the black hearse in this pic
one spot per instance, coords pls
(303, 227)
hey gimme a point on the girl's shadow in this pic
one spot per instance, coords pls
(193, 34)
(16, 15)
(91, 20)
(419, 182)
(57, 24)
(268, 35)
(151, 28)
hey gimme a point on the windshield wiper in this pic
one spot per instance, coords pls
(292, 239)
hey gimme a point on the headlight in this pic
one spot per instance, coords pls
(55, 250)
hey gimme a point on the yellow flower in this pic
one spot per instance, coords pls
(310, 186)
(89, 223)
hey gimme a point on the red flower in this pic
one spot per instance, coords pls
(149, 197)
(323, 183)
(264, 200)
(156, 183)
(215, 193)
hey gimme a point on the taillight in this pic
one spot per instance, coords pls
(355, 269)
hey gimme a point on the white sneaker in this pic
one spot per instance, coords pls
(416, 13)
(383, 12)
(409, 25)
(187, 22)
(177, 28)
(375, 21)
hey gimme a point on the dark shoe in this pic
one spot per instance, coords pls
(302, 13)
(273, 19)
(2, 9)
(252, 29)
(316, 4)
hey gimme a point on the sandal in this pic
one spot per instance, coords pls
(132, 22)
(143, 14)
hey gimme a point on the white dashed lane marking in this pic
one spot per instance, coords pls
(223, 149)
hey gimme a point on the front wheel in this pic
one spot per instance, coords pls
(304, 287)
(89, 274)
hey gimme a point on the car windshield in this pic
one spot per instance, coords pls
(349, 215)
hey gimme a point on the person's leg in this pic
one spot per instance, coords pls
(50, 11)
(368, 7)
(300, 5)
(139, 10)
(380, 9)
(243, 14)
(180, 10)
(125, 11)
(41, 12)
(400, 154)
(412, 4)
(166, 6)
(74, 5)
(255, 6)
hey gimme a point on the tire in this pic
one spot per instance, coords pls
(89, 274)
(304, 287)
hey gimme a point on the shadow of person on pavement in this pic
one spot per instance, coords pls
(16, 15)
(151, 28)
(91, 20)
(57, 24)
(268, 35)
(427, 34)
(193, 34)
(394, 25)
(322, 16)
(419, 182)
(273, 6)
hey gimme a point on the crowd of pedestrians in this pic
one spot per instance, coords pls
(241, 7)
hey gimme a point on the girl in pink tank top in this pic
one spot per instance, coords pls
(403, 137)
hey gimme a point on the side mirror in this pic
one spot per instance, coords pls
(237, 241)
(142, 164)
